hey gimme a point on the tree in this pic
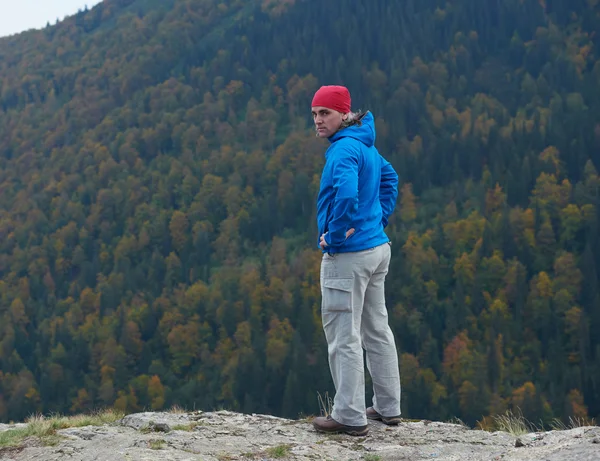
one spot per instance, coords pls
(179, 231)
(184, 346)
(546, 245)
(154, 245)
(408, 208)
(156, 392)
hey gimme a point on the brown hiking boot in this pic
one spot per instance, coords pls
(389, 420)
(331, 426)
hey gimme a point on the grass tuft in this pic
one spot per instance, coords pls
(280, 451)
(325, 404)
(178, 410)
(45, 427)
(456, 420)
(371, 457)
(187, 427)
(517, 424)
(514, 424)
(559, 425)
(157, 444)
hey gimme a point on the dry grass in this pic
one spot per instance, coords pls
(189, 427)
(325, 404)
(517, 424)
(178, 410)
(458, 421)
(45, 427)
(559, 425)
(157, 444)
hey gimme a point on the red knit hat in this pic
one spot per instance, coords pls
(333, 97)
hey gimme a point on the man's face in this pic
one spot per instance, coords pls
(327, 121)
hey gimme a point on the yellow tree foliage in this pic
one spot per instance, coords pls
(196, 298)
(436, 390)
(408, 207)
(524, 399)
(570, 220)
(574, 329)
(243, 337)
(184, 345)
(415, 148)
(551, 157)
(457, 356)
(523, 224)
(300, 90)
(497, 316)
(420, 253)
(494, 199)
(157, 207)
(464, 270)
(18, 315)
(465, 233)
(567, 274)
(156, 392)
(465, 120)
(279, 337)
(541, 286)
(545, 238)
(482, 128)
(82, 403)
(551, 195)
(576, 407)
(89, 301)
(179, 227)
(409, 364)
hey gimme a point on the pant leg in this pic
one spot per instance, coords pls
(378, 341)
(343, 287)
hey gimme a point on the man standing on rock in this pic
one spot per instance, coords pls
(358, 194)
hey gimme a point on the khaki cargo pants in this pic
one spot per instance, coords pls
(354, 317)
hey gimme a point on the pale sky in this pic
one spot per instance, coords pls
(19, 15)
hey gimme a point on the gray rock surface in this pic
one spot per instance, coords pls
(226, 436)
(6, 427)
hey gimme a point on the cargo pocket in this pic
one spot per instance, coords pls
(337, 294)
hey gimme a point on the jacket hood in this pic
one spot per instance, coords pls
(365, 132)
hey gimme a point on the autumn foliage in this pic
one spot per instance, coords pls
(158, 177)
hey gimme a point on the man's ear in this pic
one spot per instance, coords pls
(344, 117)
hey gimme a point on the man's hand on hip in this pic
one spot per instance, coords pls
(323, 243)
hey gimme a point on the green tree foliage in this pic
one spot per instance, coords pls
(158, 173)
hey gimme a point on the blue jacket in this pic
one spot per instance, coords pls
(359, 189)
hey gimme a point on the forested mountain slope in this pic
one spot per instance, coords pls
(158, 176)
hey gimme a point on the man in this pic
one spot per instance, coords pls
(358, 194)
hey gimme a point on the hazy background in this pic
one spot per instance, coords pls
(21, 15)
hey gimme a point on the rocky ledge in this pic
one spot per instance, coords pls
(223, 435)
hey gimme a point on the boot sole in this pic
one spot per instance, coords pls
(357, 433)
(352, 432)
(386, 421)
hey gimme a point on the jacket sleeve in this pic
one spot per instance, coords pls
(345, 186)
(388, 190)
